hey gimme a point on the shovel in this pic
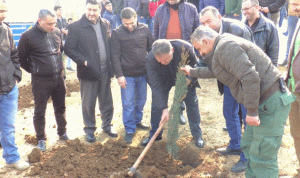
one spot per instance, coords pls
(132, 170)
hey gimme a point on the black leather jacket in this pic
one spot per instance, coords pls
(9, 64)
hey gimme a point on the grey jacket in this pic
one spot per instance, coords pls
(243, 67)
(9, 64)
(266, 37)
(237, 28)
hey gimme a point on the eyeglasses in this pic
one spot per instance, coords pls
(246, 9)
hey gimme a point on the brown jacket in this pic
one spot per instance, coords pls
(243, 67)
(296, 63)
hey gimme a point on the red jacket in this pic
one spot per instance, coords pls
(153, 5)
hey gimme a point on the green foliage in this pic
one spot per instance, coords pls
(181, 89)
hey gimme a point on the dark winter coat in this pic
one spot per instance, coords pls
(40, 52)
(162, 77)
(82, 45)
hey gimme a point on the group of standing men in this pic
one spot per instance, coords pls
(248, 74)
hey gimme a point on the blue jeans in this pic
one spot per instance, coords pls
(230, 111)
(133, 101)
(292, 23)
(148, 21)
(8, 112)
(283, 14)
(69, 62)
(192, 110)
(118, 20)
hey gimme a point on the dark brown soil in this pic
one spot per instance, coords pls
(31, 139)
(113, 159)
(35, 156)
(26, 96)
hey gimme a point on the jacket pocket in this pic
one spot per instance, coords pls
(287, 98)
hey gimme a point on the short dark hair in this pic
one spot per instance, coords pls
(56, 8)
(70, 19)
(107, 2)
(128, 13)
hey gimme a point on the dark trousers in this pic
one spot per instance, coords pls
(42, 89)
(192, 110)
(90, 91)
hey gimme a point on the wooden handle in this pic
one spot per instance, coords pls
(138, 161)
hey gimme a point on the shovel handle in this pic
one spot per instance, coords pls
(142, 155)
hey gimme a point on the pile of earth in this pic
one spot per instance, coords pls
(26, 96)
(113, 158)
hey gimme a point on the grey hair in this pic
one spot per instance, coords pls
(161, 46)
(253, 2)
(203, 32)
(128, 13)
(44, 12)
(211, 9)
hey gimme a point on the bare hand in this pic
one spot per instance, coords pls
(234, 14)
(165, 116)
(85, 63)
(265, 9)
(186, 69)
(122, 82)
(252, 121)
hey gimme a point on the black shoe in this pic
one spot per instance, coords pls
(225, 129)
(90, 137)
(147, 140)
(64, 137)
(143, 126)
(228, 151)
(111, 132)
(182, 120)
(128, 137)
(199, 142)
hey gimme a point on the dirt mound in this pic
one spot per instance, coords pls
(113, 159)
(35, 155)
(31, 139)
(103, 160)
(26, 96)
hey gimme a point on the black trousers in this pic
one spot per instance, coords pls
(42, 89)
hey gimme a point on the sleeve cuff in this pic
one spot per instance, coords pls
(252, 112)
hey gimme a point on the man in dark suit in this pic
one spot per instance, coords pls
(162, 66)
(87, 44)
